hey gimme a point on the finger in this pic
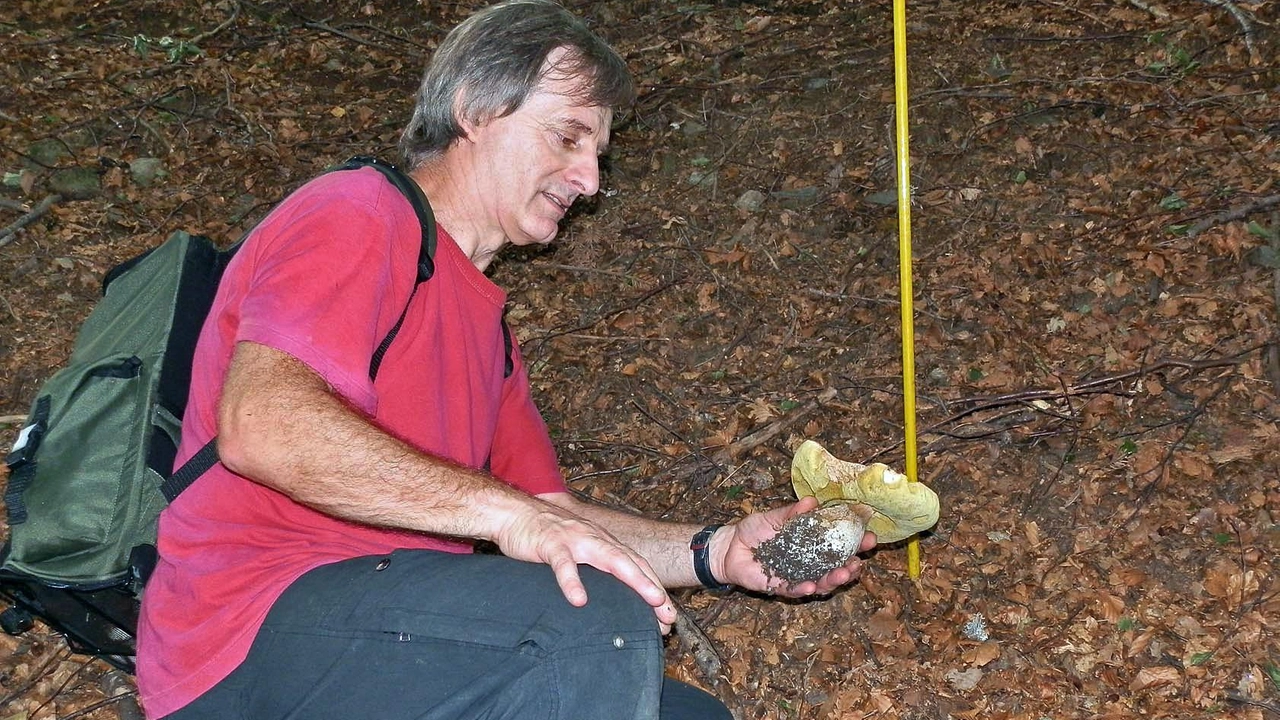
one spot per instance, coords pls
(804, 505)
(869, 541)
(634, 571)
(566, 572)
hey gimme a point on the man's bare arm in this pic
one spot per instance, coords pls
(732, 560)
(280, 425)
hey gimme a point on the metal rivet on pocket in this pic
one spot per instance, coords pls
(618, 642)
(383, 564)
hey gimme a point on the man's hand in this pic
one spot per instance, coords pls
(550, 534)
(733, 561)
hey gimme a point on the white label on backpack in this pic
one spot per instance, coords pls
(23, 437)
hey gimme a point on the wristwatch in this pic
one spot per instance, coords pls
(701, 545)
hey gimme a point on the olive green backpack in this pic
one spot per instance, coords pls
(91, 470)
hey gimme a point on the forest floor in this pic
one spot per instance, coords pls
(1096, 224)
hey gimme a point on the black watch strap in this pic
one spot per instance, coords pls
(700, 545)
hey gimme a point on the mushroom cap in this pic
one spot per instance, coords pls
(902, 508)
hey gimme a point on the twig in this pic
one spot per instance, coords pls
(1099, 386)
(8, 204)
(773, 429)
(1273, 352)
(235, 13)
(1243, 19)
(815, 292)
(317, 25)
(705, 657)
(1060, 38)
(35, 678)
(122, 698)
(1159, 12)
(530, 347)
(697, 642)
(693, 447)
(1236, 697)
(12, 419)
(7, 234)
(1237, 213)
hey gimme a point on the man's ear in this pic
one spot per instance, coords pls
(468, 123)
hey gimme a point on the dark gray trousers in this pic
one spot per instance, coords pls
(436, 636)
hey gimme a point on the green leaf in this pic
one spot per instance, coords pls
(1126, 624)
(1021, 177)
(975, 374)
(1257, 230)
(734, 492)
(1201, 658)
(788, 405)
(1223, 538)
(1129, 447)
(1273, 672)
(12, 179)
(1173, 202)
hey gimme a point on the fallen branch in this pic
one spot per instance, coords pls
(1237, 213)
(1242, 18)
(1159, 12)
(7, 234)
(1273, 353)
(1236, 697)
(750, 442)
(317, 25)
(705, 656)
(1033, 399)
(235, 13)
(696, 641)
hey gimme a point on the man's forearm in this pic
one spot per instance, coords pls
(664, 544)
(280, 426)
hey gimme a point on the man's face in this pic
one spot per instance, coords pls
(534, 163)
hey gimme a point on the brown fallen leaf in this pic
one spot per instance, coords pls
(1154, 677)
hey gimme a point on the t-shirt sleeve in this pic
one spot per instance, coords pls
(323, 283)
(522, 451)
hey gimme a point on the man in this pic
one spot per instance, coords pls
(322, 569)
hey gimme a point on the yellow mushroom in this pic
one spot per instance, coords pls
(902, 508)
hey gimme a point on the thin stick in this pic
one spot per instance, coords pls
(235, 13)
(1242, 18)
(8, 233)
(756, 439)
(1236, 213)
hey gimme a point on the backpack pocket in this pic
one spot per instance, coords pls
(85, 496)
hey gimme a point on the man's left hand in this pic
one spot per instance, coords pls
(733, 560)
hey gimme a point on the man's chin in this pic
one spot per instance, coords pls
(540, 236)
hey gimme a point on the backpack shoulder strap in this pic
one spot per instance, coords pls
(426, 253)
(207, 456)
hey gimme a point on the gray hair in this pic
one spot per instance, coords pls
(488, 65)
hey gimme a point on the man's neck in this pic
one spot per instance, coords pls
(455, 199)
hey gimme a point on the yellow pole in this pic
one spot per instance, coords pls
(904, 261)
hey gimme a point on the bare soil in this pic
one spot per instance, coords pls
(1095, 217)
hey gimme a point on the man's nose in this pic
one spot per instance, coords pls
(584, 174)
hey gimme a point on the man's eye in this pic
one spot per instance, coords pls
(568, 142)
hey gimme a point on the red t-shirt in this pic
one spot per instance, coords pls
(324, 278)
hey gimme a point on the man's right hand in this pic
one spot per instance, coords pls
(546, 533)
